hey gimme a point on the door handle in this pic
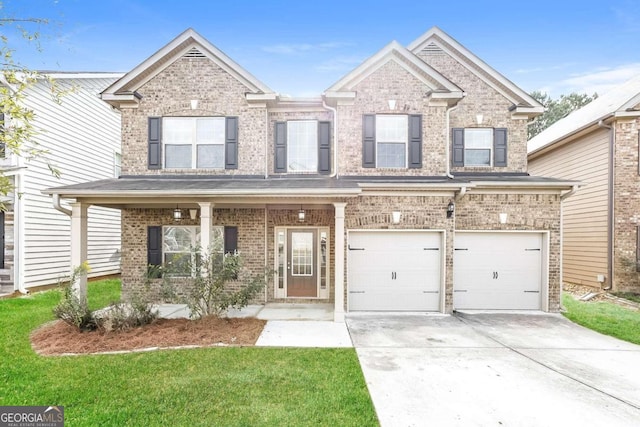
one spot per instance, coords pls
(495, 274)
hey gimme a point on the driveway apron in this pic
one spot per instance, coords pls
(495, 369)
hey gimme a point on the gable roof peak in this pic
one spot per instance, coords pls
(180, 46)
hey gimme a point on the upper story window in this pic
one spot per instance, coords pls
(193, 142)
(479, 147)
(392, 141)
(392, 134)
(302, 146)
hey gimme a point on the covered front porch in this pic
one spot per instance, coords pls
(265, 220)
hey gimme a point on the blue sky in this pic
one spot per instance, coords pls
(302, 47)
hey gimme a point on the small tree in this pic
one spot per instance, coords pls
(556, 109)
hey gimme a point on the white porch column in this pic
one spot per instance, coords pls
(79, 246)
(338, 311)
(205, 226)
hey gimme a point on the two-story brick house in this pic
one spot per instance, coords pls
(404, 186)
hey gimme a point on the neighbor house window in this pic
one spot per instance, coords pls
(302, 147)
(180, 244)
(194, 142)
(478, 145)
(391, 141)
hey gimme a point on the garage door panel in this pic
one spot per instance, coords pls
(497, 271)
(394, 271)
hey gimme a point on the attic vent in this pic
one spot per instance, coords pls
(432, 49)
(194, 53)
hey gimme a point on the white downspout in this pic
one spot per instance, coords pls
(448, 147)
(58, 206)
(335, 138)
(610, 204)
(266, 142)
(18, 224)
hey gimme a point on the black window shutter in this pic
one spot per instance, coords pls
(369, 141)
(154, 248)
(230, 239)
(457, 149)
(500, 147)
(231, 143)
(155, 142)
(415, 141)
(324, 148)
(280, 161)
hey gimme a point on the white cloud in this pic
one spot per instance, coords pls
(601, 79)
(339, 63)
(300, 48)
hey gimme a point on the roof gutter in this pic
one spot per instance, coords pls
(610, 203)
(569, 193)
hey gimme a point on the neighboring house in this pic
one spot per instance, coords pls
(80, 136)
(598, 145)
(404, 186)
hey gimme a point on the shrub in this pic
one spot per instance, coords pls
(121, 316)
(72, 309)
(209, 277)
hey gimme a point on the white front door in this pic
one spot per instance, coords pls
(394, 270)
(497, 271)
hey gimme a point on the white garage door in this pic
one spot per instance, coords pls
(394, 270)
(497, 271)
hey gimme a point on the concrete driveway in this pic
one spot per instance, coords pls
(495, 370)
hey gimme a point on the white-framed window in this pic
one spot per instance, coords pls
(302, 146)
(179, 244)
(193, 142)
(392, 133)
(117, 164)
(478, 146)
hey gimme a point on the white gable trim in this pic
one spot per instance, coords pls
(177, 48)
(461, 53)
(401, 56)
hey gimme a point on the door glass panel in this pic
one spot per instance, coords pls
(302, 254)
(323, 260)
(281, 272)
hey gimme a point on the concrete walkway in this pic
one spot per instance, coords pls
(288, 325)
(495, 369)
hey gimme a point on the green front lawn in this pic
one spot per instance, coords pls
(604, 317)
(214, 386)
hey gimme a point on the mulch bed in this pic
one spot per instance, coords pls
(58, 338)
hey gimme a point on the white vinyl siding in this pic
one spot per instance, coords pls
(81, 135)
(584, 213)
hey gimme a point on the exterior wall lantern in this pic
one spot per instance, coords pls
(193, 213)
(301, 214)
(177, 214)
(395, 217)
(392, 104)
(194, 104)
(450, 208)
(503, 218)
